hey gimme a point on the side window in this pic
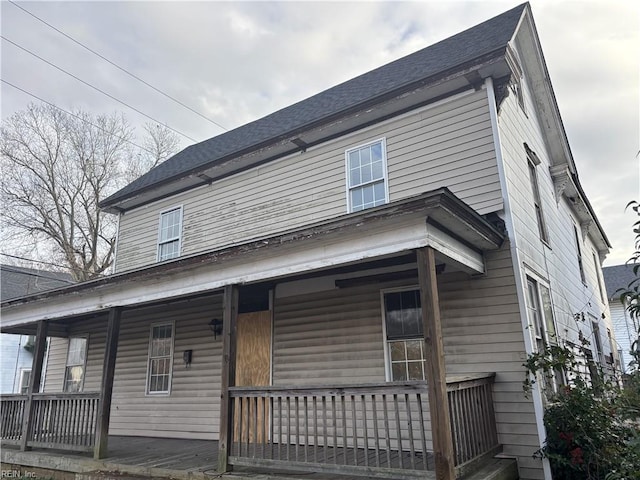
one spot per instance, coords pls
(159, 368)
(170, 234)
(404, 335)
(367, 176)
(76, 363)
(596, 266)
(597, 340)
(540, 314)
(533, 177)
(576, 236)
(25, 376)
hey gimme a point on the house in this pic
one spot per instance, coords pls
(626, 329)
(15, 350)
(285, 289)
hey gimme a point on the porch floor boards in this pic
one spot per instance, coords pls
(170, 457)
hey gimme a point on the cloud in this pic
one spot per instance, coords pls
(238, 61)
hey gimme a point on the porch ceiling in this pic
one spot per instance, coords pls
(437, 219)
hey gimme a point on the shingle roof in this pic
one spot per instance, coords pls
(488, 37)
(617, 277)
(18, 282)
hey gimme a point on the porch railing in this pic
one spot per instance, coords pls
(375, 430)
(11, 418)
(371, 429)
(65, 421)
(473, 423)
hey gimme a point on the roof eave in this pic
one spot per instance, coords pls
(114, 203)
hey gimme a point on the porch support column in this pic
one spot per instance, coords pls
(435, 372)
(34, 382)
(106, 390)
(229, 321)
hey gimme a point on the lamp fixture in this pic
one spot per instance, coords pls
(216, 327)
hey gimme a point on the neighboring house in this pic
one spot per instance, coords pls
(626, 329)
(423, 221)
(15, 350)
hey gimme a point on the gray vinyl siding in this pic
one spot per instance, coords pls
(482, 332)
(446, 144)
(335, 337)
(556, 263)
(191, 410)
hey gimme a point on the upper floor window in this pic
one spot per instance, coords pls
(367, 175)
(169, 234)
(532, 163)
(576, 236)
(596, 266)
(75, 368)
(405, 337)
(159, 369)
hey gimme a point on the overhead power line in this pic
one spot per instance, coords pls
(95, 88)
(117, 66)
(34, 261)
(76, 116)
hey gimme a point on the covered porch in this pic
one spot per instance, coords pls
(374, 430)
(338, 424)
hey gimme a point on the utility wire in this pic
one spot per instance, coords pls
(95, 88)
(76, 116)
(117, 66)
(11, 268)
(36, 261)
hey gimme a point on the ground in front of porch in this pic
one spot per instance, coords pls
(171, 458)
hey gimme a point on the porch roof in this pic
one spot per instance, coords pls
(436, 218)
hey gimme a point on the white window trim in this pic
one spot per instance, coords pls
(579, 253)
(600, 285)
(385, 171)
(541, 222)
(385, 343)
(23, 372)
(84, 365)
(158, 241)
(173, 341)
(540, 281)
(597, 347)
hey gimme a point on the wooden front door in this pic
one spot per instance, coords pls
(253, 369)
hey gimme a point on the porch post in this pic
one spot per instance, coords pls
(435, 372)
(106, 390)
(228, 379)
(34, 382)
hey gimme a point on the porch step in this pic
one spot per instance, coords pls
(495, 469)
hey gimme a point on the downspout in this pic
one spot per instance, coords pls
(517, 266)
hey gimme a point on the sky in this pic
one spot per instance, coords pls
(234, 62)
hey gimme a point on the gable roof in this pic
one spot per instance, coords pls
(18, 282)
(617, 277)
(409, 72)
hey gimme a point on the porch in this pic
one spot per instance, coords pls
(376, 430)
(315, 311)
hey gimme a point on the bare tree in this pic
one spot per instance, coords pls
(56, 168)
